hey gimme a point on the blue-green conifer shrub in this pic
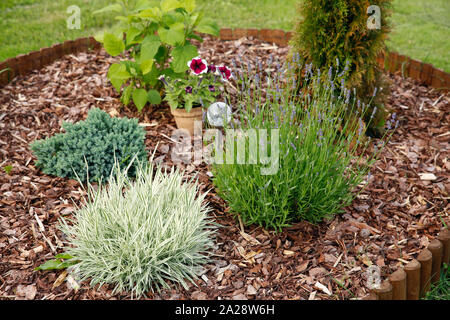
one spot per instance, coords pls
(87, 149)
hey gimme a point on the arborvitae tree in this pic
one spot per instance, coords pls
(331, 32)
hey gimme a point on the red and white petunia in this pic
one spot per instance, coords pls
(224, 72)
(212, 68)
(198, 66)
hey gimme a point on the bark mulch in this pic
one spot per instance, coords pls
(395, 217)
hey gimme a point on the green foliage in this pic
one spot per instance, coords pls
(8, 169)
(319, 167)
(88, 148)
(195, 89)
(420, 27)
(332, 32)
(138, 234)
(12, 3)
(61, 261)
(154, 33)
(440, 290)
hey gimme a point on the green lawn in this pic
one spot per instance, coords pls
(421, 27)
(441, 290)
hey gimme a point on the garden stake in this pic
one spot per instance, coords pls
(384, 292)
(398, 281)
(425, 273)
(412, 270)
(444, 237)
(435, 247)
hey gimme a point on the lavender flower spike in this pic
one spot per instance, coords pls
(163, 80)
(373, 112)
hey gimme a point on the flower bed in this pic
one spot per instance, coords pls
(387, 225)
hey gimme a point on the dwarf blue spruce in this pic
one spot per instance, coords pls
(87, 149)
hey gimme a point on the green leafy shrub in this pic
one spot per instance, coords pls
(153, 33)
(94, 144)
(138, 234)
(441, 289)
(319, 167)
(332, 32)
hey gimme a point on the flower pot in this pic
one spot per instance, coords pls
(185, 120)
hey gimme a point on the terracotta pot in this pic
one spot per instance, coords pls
(185, 120)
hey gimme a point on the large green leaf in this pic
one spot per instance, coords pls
(126, 96)
(146, 66)
(154, 97)
(140, 98)
(169, 5)
(62, 261)
(111, 8)
(64, 256)
(208, 27)
(118, 71)
(181, 56)
(99, 36)
(143, 4)
(151, 78)
(152, 13)
(189, 5)
(172, 36)
(150, 47)
(113, 45)
(196, 18)
(117, 83)
(132, 33)
(50, 265)
(173, 17)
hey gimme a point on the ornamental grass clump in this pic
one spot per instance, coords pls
(137, 234)
(322, 155)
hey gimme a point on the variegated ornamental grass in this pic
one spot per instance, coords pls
(137, 234)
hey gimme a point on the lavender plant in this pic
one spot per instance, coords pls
(323, 157)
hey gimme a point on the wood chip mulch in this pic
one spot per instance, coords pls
(396, 216)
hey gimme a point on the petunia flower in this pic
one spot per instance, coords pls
(212, 88)
(188, 89)
(212, 68)
(198, 66)
(225, 73)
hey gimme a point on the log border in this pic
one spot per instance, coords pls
(414, 280)
(391, 61)
(36, 60)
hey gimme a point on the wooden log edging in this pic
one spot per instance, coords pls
(392, 61)
(414, 280)
(35, 60)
